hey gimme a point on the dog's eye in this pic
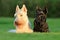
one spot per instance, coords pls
(20, 15)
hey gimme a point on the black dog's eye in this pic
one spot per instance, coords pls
(41, 25)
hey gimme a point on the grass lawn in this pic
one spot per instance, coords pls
(7, 24)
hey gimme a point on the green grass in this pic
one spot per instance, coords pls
(7, 24)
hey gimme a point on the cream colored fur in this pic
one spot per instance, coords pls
(22, 20)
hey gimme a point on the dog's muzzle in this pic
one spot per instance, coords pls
(17, 23)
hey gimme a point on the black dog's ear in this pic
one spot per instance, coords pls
(38, 9)
(45, 10)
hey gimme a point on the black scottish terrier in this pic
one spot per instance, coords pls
(40, 24)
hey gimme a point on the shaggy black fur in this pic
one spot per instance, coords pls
(40, 24)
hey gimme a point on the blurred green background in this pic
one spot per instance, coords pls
(7, 7)
(7, 11)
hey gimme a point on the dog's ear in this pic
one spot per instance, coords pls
(45, 10)
(17, 8)
(24, 8)
(38, 9)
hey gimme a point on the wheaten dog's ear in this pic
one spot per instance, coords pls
(24, 8)
(17, 8)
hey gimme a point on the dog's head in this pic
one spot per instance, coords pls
(41, 14)
(21, 15)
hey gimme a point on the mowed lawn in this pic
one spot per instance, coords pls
(6, 24)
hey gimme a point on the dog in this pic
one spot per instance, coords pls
(21, 21)
(40, 24)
